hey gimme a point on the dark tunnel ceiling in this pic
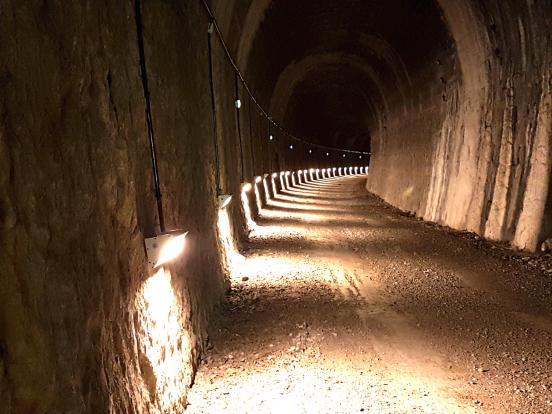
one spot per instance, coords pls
(328, 69)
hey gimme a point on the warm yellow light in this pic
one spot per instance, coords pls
(165, 341)
(231, 258)
(246, 187)
(247, 211)
(171, 249)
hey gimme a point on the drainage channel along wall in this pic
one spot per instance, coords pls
(84, 325)
(470, 146)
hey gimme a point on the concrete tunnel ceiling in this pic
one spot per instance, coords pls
(328, 70)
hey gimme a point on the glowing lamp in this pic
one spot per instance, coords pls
(310, 151)
(237, 104)
(271, 137)
(288, 173)
(318, 170)
(246, 187)
(311, 170)
(360, 157)
(165, 247)
(291, 147)
(327, 154)
(344, 155)
(274, 175)
(258, 179)
(224, 200)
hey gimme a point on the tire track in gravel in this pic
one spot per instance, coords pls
(350, 306)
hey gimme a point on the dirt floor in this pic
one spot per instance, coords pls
(343, 304)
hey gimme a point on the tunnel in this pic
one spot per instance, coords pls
(261, 206)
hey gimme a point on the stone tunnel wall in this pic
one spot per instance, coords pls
(476, 154)
(79, 310)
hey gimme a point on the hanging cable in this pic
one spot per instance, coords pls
(261, 109)
(210, 31)
(149, 119)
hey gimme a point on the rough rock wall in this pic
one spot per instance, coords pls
(486, 160)
(84, 326)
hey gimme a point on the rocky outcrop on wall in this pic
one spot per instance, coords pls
(486, 154)
(84, 325)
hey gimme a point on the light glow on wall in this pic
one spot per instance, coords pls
(232, 259)
(249, 222)
(265, 186)
(165, 341)
(258, 200)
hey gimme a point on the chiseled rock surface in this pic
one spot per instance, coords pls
(79, 311)
(484, 149)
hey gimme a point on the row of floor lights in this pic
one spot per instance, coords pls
(304, 176)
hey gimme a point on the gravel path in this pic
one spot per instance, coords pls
(344, 305)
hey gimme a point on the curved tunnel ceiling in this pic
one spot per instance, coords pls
(328, 70)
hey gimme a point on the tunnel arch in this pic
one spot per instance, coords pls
(297, 72)
(476, 171)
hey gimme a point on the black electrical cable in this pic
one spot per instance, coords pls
(214, 109)
(149, 119)
(248, 90)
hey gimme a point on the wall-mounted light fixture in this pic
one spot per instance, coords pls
(291, 146)
(164, 247)
(237, 104)
(224, 200)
